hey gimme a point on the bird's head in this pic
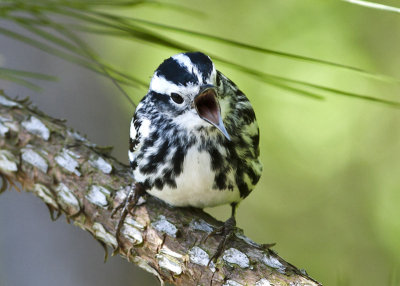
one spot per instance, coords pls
(185, 87)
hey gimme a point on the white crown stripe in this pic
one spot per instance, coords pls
(185, 62)
(161, 85)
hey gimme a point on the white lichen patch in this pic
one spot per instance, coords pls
(131, 230)
(246, 239)
(141, 201)
(13, 126)
(6, 102)
(231, 283)
(101, 164)
(169, 252)
(199, 224)
(163, 225)
(273, 262)
(45, 194)
(103, 235)
(73, 154)
(120, 196)
(122, 193)
(234, 256)
(8, 162)
(169, 263)
(98, 195)
(35, 126)
(7, 123)
(33, 158)
(81, 138)
(76, 135)
(3, 129)
(4, 118)
(129, 220)
(132, 234)
(263, 282)
(67, 199)
(200, 257)
(67, 160)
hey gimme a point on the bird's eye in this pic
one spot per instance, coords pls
(176, 98)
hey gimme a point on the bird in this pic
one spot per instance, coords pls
(194, 139)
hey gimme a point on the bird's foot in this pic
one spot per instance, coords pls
(226, 230)
(127, 207)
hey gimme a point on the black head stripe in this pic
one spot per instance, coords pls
(202, 63)
(174, 72)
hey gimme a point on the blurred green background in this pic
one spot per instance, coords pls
(329, 195)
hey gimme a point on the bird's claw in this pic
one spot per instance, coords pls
(127, 206)
(117, 208)
(226, 230)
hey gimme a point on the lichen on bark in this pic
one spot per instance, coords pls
(76, 178)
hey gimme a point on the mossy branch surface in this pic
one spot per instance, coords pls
(76, 178)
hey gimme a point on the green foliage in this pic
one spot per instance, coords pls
(19, 76)
(50, 20)
(374, 5)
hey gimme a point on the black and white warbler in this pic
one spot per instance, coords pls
(194, 138)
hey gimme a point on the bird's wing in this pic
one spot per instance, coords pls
(139, 131)
(134, 139)
(134, 135)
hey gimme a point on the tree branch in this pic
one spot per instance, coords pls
(75, 177)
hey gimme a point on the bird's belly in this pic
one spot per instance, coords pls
(194, 186)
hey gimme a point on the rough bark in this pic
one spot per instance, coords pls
(80, 180)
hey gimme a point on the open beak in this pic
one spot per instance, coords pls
(208, 108)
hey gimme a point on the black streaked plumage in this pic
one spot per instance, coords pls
(194, 139)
